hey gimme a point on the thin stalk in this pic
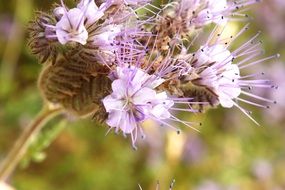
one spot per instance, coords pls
(20, 147)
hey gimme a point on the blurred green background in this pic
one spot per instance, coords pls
(230, 153)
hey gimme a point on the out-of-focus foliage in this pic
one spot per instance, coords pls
(229, 153)
(41, 142)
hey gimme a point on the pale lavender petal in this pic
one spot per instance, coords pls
(119, 88)
(111, 103)
(106, 36)
(143, 96)
(92, 12)
(159, 111)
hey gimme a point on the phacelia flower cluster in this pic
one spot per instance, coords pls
(128, 61)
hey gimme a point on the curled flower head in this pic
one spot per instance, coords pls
(181, 18)
(135, 100)
(142, 65)
(42, 37)
(217, 72)
(86, 27)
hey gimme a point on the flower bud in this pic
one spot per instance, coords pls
(76, 86)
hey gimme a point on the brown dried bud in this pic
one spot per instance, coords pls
(77, 86)
(42, 39)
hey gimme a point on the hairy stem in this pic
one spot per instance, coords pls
(21, 145)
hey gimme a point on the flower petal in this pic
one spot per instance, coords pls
(119, 88)
(71, 27)
(111, 103)
(92, 12)
(144, 96)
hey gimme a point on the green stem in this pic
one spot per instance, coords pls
(20, 147)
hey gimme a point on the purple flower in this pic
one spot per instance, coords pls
(214, 70)
(220, 75)
(85, 25)
(212, 13)
(178, 21)
(133, 3)
(150, 57)
(91, 11)
(105, 36)
(72, 23)
(71, 27)
(262, 169)
(199, 13)
(134, 100)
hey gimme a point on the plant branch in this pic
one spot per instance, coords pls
(19, 149)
